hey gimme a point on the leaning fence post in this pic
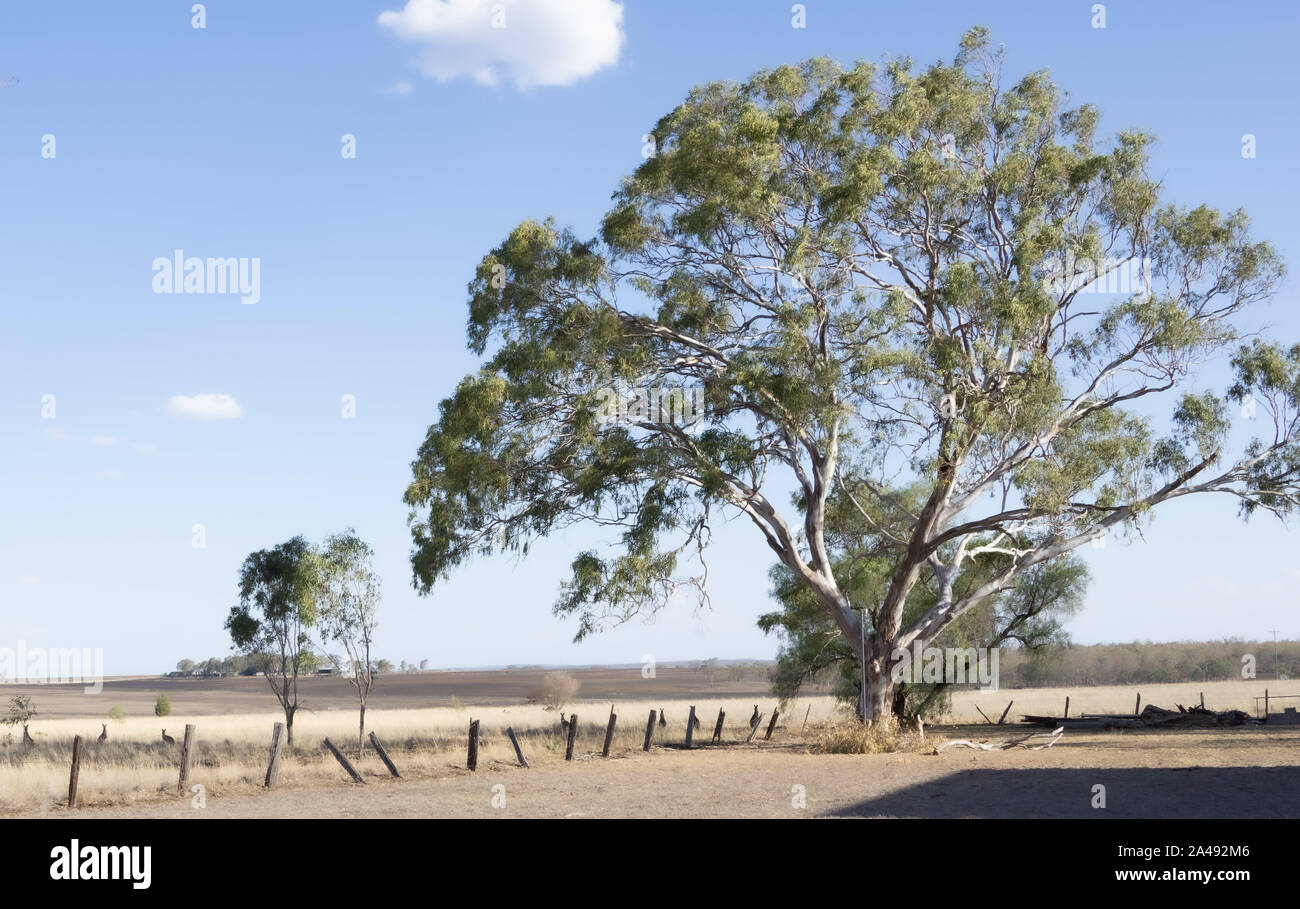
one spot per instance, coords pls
(573, 734)
(690, 727)
(519, 752)
(805, 717)
(771, 725)
(753, 730)
(717, 730)
(76, 772)
(383, 756)
(1137, 708)
(649, 731)
(1005, 712)
(274, 765)
(609, 731)
(186, 745)
(342, 759)
(472, 760)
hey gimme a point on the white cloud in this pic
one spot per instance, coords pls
(205, 407)
(103, 441)
(528, 42)
(144, 448)
(400, 88)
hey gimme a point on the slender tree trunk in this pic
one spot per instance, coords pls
(288, 725)
(361, 731)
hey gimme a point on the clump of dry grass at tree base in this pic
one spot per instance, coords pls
(852, 736)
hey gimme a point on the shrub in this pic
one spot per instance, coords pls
(555, 690)
(162, 706)
(117, 714)
(854, 737)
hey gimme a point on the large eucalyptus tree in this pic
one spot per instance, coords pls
(880, 276)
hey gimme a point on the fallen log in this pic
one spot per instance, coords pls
(1022, 742)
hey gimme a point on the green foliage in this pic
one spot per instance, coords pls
(20, 712)
(876, 276)
(117, 714)
(162, 706)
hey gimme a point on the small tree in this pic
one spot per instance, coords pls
(185, 666)
(277, 609)
(348, 594)
(21, 711)
(117, 714)
(162, 706)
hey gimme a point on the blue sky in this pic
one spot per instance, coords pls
(225, 141)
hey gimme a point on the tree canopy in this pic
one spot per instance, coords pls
(882, 277)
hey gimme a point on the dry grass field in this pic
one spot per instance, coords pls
(422, 719)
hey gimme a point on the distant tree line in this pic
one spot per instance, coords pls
(1148, 663)
(1133, 663)
(241, 664)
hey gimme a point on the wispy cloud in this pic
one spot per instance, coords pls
(204, 407)
(527, 42)
(400, 88)
(103, 441)
(144, 448)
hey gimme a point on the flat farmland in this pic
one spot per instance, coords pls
(422, 719)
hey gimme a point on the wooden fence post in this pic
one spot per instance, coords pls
(609, 731)
(1202, 700)
(805, 717)
(573, 734)
(649, 731)
(383, 756)
(519, 752)
(76, 772)
(717, 730)
(1137, 708)
(472, 760)
(342, 759)
(1005, 712)
(1067, 707)
(1265, 705)
(753, 730)
(277, 736)
(187, 745)
(690, 727)
(771, 725)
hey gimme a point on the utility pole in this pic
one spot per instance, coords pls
(862, 661)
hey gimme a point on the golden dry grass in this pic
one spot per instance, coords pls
(1230, 695)
(231, 750)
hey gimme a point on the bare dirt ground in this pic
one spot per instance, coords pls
(1248, 772)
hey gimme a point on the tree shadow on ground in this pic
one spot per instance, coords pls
(1137, 792)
